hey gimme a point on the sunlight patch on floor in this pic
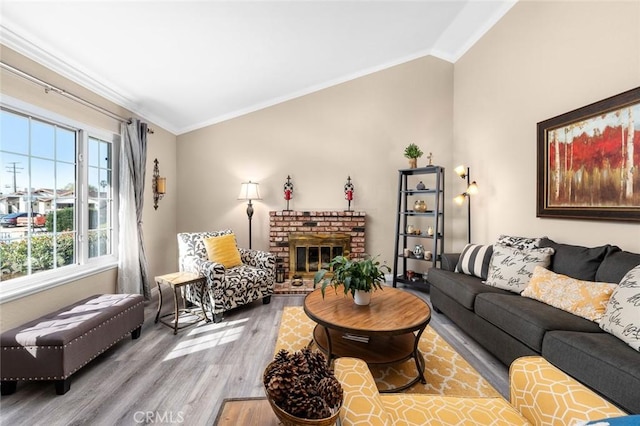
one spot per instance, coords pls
(207, 336)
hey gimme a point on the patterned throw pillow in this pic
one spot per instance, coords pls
(622, 317)
(522, 243)
(585, 299)
(474, 260)
(511, 268)
(223, 249)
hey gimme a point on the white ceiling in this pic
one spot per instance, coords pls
(187, 64)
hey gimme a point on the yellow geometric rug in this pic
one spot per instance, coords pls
(446, 372)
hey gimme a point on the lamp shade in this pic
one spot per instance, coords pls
(461, 171)
(473, 188)
(249, 191)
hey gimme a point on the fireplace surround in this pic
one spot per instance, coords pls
(305, 240)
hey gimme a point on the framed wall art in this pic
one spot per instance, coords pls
(589, 161)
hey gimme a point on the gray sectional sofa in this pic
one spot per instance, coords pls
(510, 326)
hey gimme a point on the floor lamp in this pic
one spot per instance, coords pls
(249, 191)
(472, 189)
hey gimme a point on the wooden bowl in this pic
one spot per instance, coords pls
(289, 420)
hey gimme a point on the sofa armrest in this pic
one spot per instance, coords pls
(547, 396)
(362, 404)
(200, 266)
(449, 261)
(259, 259)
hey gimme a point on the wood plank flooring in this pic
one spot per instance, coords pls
(165, 379)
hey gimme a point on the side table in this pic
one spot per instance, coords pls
(177, 281)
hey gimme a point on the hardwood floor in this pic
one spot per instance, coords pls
(163, 379)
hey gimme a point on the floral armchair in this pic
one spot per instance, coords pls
(227, 287)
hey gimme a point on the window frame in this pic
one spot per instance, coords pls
(85, 266)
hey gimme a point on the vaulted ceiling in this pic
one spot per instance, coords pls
(188, 64)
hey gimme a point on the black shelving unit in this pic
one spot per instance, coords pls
(433, 194)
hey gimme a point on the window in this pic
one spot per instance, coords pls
(56, 196)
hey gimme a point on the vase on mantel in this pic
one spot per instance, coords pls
(362, 298)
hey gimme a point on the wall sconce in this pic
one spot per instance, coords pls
(249, 191)
(159, 185)
(472, 189)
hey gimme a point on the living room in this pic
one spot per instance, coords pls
(541, 59)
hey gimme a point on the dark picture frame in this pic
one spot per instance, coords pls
(589, 161)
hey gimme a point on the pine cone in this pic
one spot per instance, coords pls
(296, 398)
(300, 361)
(316, 408)
(281, 357)
(331, 391)
(281, 382)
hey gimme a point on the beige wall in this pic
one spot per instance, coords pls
(541, 60)
(358, 128)
(159, 226)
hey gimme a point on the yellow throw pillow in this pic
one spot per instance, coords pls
(223, 249)
(582, 298)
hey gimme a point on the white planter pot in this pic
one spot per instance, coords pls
(362, 297)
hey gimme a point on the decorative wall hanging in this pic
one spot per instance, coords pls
(348, 192)
(589, 159)
(158, 185)
(288, 191)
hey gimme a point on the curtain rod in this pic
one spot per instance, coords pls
(51, 88)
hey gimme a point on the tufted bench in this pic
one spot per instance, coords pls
(57, 345)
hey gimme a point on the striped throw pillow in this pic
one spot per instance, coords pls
(474, 260)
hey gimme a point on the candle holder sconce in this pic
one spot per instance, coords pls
(158, 184)
(348, 192)
(288, 191)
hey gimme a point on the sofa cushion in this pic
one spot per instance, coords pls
(511, 268)
(576, 261)
(526, 319)
(616, 264)
(474, 260)
(224, 250)
(460, 287)
(586, 299)
(522, 243)
(599, 360)
(622, 317)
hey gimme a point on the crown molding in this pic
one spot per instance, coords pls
(50, 59)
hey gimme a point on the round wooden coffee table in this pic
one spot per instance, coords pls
(387, 331)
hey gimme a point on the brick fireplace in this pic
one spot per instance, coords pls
(318, 235)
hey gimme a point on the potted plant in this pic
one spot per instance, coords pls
(413, 152)
(359, 277)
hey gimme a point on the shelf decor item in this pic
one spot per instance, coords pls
(288, 191)
(365, 274)
(420, 186)
(413, 152)
(420, 206)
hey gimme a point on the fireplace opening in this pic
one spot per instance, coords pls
(311, 252)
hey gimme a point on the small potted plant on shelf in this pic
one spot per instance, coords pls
(413, 152)
(359, 277)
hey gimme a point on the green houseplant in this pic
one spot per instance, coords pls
(413, 152)
(356, 276)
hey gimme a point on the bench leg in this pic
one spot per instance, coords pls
(266, 300)
(136, 333)
(62, 386)
(7, 387)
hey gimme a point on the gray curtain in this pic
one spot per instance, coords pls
(132, 264)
